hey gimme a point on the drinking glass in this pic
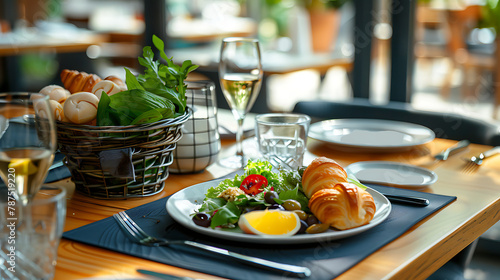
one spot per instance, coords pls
(282, 138)
(27, 142)
(240, 73)
(30, 234)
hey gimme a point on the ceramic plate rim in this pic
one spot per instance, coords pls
(383, 210)
(354, 122)
(362, 165)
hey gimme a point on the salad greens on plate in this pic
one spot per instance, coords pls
(259, 187)
(286, 183)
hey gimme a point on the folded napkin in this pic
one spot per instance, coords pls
(327, 259)
(58, 173)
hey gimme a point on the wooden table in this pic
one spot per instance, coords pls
(414, 255)
(46, 44)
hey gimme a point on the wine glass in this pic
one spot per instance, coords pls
(27, 143)
(240, 74)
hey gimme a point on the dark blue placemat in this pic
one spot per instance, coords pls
(326, 260)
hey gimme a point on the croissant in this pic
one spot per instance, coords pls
(343, 207)
(322, 173)
(75, 81)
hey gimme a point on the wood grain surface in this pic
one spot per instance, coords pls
(415, 255)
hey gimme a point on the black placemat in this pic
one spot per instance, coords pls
(326, 259)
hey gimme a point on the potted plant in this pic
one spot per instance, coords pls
(325, 20)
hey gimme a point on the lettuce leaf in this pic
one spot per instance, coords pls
(297, 195)
(227, 214)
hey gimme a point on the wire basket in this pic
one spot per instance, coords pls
(143, 154)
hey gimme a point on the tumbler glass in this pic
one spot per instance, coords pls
(30, 233)
(282, 138)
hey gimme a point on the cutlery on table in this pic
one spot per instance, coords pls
(136, 234)
(475, 161)
(451, 150)
(411, 200)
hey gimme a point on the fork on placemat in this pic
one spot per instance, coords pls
(136, 234)
(474, 162)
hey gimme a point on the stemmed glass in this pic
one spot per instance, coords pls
(27, 143)
(240, 74)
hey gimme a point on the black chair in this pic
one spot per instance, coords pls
(445, 125)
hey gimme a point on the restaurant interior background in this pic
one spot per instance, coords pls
(454, 50)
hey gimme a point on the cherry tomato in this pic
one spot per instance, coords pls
(253, 184)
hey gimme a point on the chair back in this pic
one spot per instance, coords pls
(445, 125)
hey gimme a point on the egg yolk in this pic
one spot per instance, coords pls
(272, 222)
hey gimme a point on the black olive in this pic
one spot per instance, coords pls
(202, 219)
(270, 196)
(311, 220)
(276, 207)
(303, 227)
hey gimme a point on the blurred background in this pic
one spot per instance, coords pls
(307, 44)
(446, 50)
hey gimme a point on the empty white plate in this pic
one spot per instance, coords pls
(393, 174)
(371, 135)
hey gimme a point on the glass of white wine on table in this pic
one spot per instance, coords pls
(240, 74)
(27, 143)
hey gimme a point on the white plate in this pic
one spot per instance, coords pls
(371, 135)
(392, 174)
(182, 204)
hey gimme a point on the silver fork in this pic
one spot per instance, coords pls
(138, 235)
(474, 162)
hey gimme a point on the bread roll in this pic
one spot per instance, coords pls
(343, 207)
(322, 173)
(81, 107)
(56, 93)
(107, 86)
(116, 80)
(55, 109)
(75, 81)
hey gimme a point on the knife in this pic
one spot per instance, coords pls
(159, 275)
(451, 150)
(410, 200)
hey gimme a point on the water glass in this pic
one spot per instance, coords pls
(30, 234)
(282, 137)
(200, 143)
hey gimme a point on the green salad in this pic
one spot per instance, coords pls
(258, 188)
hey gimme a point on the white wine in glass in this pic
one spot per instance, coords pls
(27, 142)
(240, 73)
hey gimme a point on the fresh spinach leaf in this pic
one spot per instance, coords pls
(227, 214)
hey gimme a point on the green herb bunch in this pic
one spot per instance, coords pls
(157, 94)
